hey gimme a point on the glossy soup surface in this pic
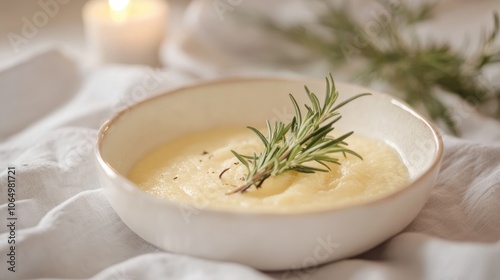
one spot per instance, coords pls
(187, 169)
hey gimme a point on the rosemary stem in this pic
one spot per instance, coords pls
(305, 139)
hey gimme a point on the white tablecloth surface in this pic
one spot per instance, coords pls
(67, 230)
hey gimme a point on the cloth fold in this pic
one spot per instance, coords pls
(28, 84)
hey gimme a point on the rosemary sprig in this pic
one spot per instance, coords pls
(397, 57)
(305, 139)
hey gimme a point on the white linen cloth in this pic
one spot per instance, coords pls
(67, 230)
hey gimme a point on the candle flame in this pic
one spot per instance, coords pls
(118, 10)
(118, 5)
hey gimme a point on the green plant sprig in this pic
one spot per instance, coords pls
(305, 139)
(397, 57)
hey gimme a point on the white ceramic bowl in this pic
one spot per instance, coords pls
(264, 241)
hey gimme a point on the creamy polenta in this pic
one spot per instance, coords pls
(199, 170)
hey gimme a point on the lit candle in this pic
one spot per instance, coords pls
(125, 31)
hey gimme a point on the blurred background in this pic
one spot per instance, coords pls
(64, 28)
(439, 56)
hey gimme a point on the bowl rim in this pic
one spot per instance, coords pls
(111, 171)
